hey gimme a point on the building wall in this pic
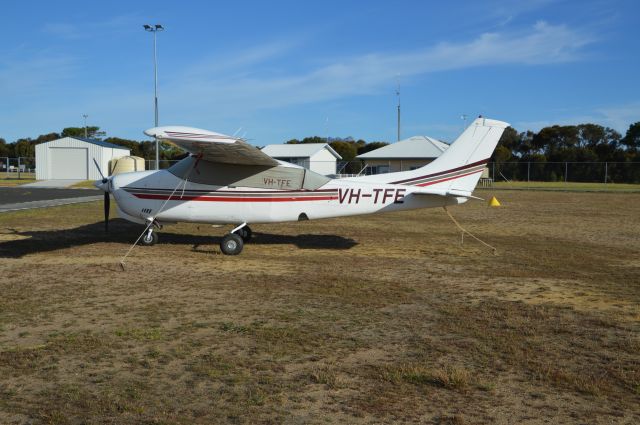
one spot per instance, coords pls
(323, 162)
(101, 154)
(394, 165)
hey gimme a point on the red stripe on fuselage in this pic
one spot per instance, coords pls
(447, 179)
(439, 173)
(230, 199)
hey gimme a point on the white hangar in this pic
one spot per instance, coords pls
(318, 157)
(71, 158)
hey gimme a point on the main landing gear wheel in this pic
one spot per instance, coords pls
(149, 238)
(231, 244)
(245, 233)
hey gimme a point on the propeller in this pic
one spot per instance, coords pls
(107, 199)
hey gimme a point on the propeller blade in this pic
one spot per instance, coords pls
(99, 170)
(107, 202)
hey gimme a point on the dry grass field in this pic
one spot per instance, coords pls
(376, 319)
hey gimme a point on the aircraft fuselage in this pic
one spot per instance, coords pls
(142, 196)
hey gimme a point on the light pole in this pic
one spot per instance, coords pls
(154, 29)
(85, 124)
(398, 94)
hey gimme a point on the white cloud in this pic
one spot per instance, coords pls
(618, 117)
(85, 29)
(35, 75)
(370, 73)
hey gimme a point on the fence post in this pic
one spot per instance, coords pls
(18, 168)
(493, 171)
(528, 170)
(566, 171)
(606, 171)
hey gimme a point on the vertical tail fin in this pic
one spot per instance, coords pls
(460, 166)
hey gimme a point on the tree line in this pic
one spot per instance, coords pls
(553, 144)
(530, 156)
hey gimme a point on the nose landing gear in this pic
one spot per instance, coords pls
(149, 238)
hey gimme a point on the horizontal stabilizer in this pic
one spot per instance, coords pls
(450, 193)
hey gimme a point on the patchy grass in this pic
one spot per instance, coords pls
(379, 319)
(15, 181)
(86, 184)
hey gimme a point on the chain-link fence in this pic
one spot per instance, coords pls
(17, 168)
(566, 172)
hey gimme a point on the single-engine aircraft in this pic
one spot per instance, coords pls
(225, 180)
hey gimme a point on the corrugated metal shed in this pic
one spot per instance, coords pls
(416, 147)
(72, 158)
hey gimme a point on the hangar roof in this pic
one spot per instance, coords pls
(100, 143)
(92, 141)
(413, 147)
(298, 150)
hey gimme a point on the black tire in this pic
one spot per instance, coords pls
(147, 240)
(245, 233)
(231, 244)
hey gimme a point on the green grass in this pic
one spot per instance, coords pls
(572, 186)
(86, 184)
(12, 179)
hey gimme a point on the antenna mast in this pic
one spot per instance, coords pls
(398, 94)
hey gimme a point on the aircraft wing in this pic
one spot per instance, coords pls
(445, 192)
(213, 147)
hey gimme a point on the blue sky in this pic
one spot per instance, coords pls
(288, 69)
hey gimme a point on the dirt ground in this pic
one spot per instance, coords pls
(375, 319)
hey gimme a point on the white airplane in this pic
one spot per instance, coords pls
(225, 180)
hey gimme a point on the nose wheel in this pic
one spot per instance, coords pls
(149, 238)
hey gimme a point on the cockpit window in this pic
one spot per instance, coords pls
(256, 176)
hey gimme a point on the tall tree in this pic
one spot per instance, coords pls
(4, 148)
(46, 138)
(93, 132)
(365, 147)
(347, 150)
(24, 148)
(631, 140)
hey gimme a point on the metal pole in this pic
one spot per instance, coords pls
(398, 93)
(18, 168)
(528, 170)
(566, 171)
(155, 92)
(85, 125)
(606, 172)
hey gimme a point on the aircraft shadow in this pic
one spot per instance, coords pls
(122, 231)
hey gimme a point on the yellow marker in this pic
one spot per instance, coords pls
(493, 202)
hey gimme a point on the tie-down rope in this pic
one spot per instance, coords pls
(463, 230)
